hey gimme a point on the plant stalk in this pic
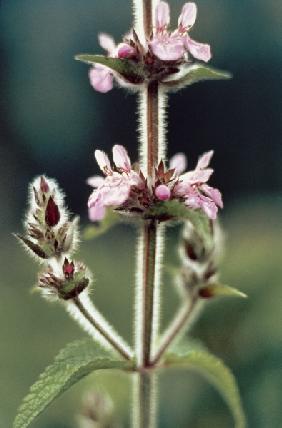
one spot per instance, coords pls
(144, 400)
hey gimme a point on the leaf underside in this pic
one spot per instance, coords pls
(126, 68)
(75, 361)
(196, 73)
(212, 368)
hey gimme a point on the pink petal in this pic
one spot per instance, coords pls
(187, 17)
(97, 212)
(121, 158)
(178, 162)
(162, 192)
(116, 191)
(95, 181)
(213, 194)
(199, 51)
(103, 162)
(135, 180)
(167, 48)
(204, 160)
(197, 176)
(107, 43)
(125, 51)
(209, 207)
(162, 16)
(101, 79)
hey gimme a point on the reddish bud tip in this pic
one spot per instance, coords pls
(52, 213)
(68, 269)
(206, 293)
(43, 185)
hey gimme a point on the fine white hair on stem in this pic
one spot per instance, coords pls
(138, 19)
(144, 399)
(162, 116)
(160, 241)
(143, 124)
(76, 314)
(138, 327)
(142, 128)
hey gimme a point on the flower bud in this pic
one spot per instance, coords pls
(49, 232)
(65, 282)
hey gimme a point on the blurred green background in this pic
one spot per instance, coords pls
(51, 121)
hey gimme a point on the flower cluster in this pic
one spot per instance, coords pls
(127, 189)
(162, 54)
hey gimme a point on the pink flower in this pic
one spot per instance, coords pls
(192, 187)
(127, 189)
(101, 77)
(173, 46)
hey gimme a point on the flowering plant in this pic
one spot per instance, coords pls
(152, 61)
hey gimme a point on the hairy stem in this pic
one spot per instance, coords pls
(149, 262)
(103, 330)
(144, 400)
(178, 324)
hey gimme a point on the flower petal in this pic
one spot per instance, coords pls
(121, 158)
(197, 176)
(96, 212)
(168, 48)
(103, 162)
(101, 79)
(107, 42)
(198, 50)
(204, 160)
(187, 17)
(95, 181)
(162, 17)
(178, 162)
(213, 194)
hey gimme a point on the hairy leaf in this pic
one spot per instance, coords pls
(197, 358)
(126, 68)
(196, 73)
(111, 218)
(76, 360)
(176, 210)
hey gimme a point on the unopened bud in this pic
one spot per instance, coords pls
(52, 213)
(68, 285)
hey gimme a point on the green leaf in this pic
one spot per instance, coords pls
(220, 290)
(76, 360)
(111, 218)
(197, 358)
(176, 210)
(196, 73)
(127, 68)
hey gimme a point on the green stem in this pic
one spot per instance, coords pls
(144, 400)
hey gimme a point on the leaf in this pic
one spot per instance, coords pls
(220, 290)
(111, 218)
(127, 68)
(176, 210)
(196, 73)
(76, 360)
(197, 358)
